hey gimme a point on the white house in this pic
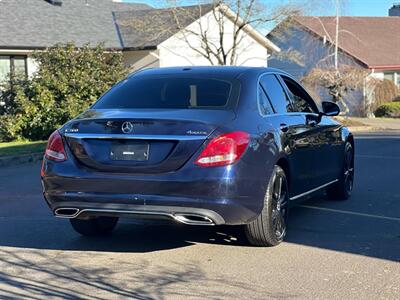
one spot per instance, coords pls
(147, 37)
(172, 37)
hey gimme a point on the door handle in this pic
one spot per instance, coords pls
(312, 123)
(284, 127)
(311, 120)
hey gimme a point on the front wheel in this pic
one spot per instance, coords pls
(269, 228)
(342, 189)
(94, 226)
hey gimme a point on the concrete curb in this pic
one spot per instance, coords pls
(365, 128)
(20, 159)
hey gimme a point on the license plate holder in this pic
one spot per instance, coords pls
(132, 151)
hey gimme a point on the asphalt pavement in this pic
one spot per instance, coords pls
(334, 250)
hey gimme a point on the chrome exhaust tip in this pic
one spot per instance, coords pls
(68, 213)
(191, 219)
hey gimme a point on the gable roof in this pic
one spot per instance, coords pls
(374, 41)
(36, 24)
(143, 29)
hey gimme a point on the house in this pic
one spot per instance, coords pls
(147, 37)
(370, 43)
(172, 37)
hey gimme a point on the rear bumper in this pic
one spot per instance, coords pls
(223, 195)
(230, 195)
(186, 215)
(149, 206)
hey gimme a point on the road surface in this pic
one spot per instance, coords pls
(334, 250)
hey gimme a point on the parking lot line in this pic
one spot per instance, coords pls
(375, 137)
(378, 156)
(351, 213)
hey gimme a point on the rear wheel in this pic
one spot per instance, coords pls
(269, 228)
(94, 226)
(342, 189)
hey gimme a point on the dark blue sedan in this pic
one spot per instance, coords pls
(201, 146)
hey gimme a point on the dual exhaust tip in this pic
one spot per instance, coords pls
(189, 219)
(68, 213)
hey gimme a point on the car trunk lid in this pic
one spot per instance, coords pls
(140, 141)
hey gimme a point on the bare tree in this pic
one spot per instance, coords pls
(234, 19)
(339, 78)
(339, 81)
(214, 30)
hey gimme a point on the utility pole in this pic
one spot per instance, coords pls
(337, 3)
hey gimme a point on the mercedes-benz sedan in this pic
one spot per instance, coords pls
(201, 146)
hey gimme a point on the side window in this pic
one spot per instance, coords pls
(302, 102)
(276, 94)
(263, 102)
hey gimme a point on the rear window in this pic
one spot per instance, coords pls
(167, 92)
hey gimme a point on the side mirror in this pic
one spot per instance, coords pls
(330, 109)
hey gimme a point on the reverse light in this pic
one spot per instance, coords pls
(224, 150)
(55, 148)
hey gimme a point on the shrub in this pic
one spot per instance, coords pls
(67, 82)
(388, 110)
(384, 91)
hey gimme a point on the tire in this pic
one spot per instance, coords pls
(94, 226)
(269, 229)
(342, 189)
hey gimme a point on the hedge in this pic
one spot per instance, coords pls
(68, 81)
(388, 110)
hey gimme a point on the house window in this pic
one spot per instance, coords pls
(11, 66)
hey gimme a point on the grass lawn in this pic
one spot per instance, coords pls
(21, 147)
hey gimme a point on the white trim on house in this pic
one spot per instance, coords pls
(250, 30)
(252, 50)
(31, 65)
(15, 51)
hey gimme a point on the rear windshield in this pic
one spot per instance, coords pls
(167, 92)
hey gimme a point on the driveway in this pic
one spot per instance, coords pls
(334, 250)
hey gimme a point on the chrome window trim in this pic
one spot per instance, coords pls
(289, 92)
(258, 101)
(276, 74)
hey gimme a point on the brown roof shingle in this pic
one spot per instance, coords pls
(375, 41)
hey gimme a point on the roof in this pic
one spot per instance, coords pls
(374, 41)
(143, 29)
(231, 71)
(241, 73)
(38, 24)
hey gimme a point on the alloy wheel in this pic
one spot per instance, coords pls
(279, 206)
(349, 170)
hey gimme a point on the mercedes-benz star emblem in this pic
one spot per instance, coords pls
(127, 127)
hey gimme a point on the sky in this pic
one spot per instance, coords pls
(349, 7)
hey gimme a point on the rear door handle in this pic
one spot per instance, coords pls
(311, 120)
(284, 127)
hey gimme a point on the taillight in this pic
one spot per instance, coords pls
(224, 150)
(42, 170)
(55, 148)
